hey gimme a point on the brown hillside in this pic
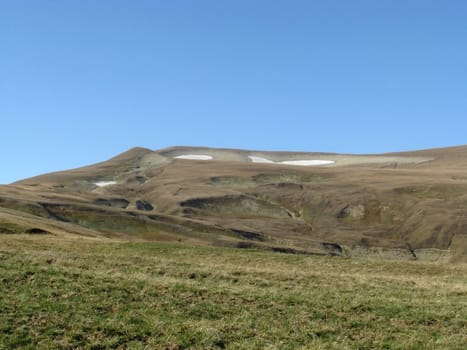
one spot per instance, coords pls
(409, 205)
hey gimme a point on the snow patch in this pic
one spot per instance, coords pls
(312, 162)
(105, 183)
(194, 157)
(256, 159)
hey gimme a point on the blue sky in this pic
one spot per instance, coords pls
(83, 80)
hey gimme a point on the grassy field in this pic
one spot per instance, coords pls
(80, 294)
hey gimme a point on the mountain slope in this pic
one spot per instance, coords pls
(409, 205)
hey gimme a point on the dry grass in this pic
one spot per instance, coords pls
(69, 294)
(388, 205)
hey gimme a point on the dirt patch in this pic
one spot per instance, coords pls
(353, 212)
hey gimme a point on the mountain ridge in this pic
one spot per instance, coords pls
(404, 205)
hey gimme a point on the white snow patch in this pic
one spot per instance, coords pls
(256, 159)
(194, 157)
(312, 162)
(105, 183)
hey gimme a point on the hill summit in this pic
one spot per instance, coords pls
(408, 205)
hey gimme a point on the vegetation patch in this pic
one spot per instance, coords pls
(288, 177)
(231, 181)
(440, 191)
(99, 295)
(144, 205)
(236, 205)
(37, 231)
(112, 202)
(10, 228)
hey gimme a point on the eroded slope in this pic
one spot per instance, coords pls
(406, 205)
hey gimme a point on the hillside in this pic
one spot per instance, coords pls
(81, 294)
(409, 205)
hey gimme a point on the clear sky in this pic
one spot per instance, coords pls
(83, 80)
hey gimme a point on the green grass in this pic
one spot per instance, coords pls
(8, 227)
(72, 294)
